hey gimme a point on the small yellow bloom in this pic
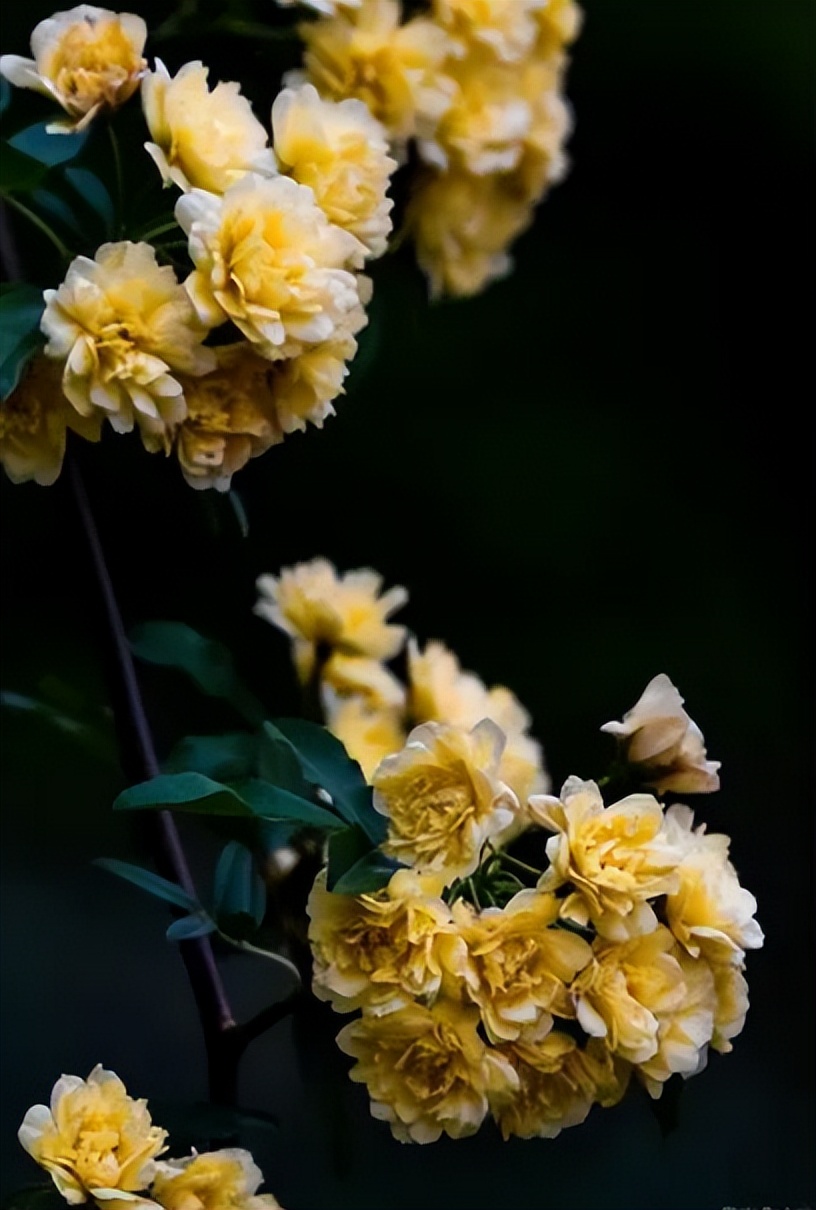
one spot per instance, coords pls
(87, 59)
(396, 69)
(33, 423)
(383, 951)
(231, 417)
(616, 857)
(202, 139)
(358, 676)
(731, 1004)
(338, 149)
(684, 1031)
(314, 605)
(521, 964)
(659, 737)
(309, 383)
(427, 1070)
(267, 258)
(507, 30)
(94, 1139)
(558, 1085)
(709, 912)
(559, 23)
(443, 796)
(212, 1180)
(368, 733)
(120, 324)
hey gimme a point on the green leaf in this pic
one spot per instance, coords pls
(97, 740)
(191, 792)
(279, 762)
(222, 757)
(94, 194)
(48, 149)
(199, 924)
(238, 889)
(154, 884)
(19, 173)
(346, 848)
(326, 763)
(272, 802)
(206, 661)
(5, 95)
(21, 308)
(370, 873)
(56, 209)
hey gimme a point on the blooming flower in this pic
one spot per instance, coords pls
(508, 31)
(204, 139)
(120, 323)
(616, 857)
(658, 736)
(267, 258)
(730, 1006)
(338, 149)
(87, 59)
(358, 676)
(443, 796)
(368, 733)
(314, 605)
(684, 1030)
(558, 1085)
(427, 1070)
(521, 965)
(33, 423)
(94, 1139)
(308, 384)
(212, 1180)
(382, 951)
(394, 68)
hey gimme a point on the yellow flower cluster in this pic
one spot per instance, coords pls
(99, 1145)
(277, 232)
(477, 86)
(635, 930)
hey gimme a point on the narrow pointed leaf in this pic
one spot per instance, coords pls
(21, 308)
(278, 761)
(272, 802)
(190, 927)
(48, 149)
(227, 757)
(238, 887)
(191, 792)
(154, 884)
(346, 848)
(370, 873)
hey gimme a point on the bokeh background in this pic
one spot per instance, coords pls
(599, 470)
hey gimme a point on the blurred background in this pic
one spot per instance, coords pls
(600, 469)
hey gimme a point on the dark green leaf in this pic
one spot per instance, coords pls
(48, 149)
(346, 848)
(57, 210)
(93, 738)
(190, 927)
(21, 308)
(271, 802)
(368, 874)
(221, 757)
(238, 887)
(5, 95)
(207, 662)
(182, 792)
(279, 763)
(154, 884)
(94, 194)
(19, 173)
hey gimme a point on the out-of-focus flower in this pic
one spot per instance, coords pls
(94, 1140)
(521, 964)
(708, 911)
(658, 736)
(383, 951)
(684, 1030)
(309, 383)
(120, 324)
(622, 993)
(359, 676)
(208, 140)
(558, 1085)
(33, 423)
(616, 857)
(267, 258)
(440, 692)
(559, 23)
(443, 796)
(231, 417)
(314, 605)
(427, 1070)
(507, 30)
(396, 69)
(327, 8)
(338, 149)
(87, 59)
(212, 1180)
(368, 733)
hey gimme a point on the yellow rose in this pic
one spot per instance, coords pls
(396, 69)
(267, 258)
(120, 324)
(314, 605)
(709, 912)
(443, 797)
(368, 733)
(521, 964)
(33, 423)
(358, 676)
(730, 1004)
(340, 151)
(616, 857)
(202, 139)
(308, 384)
(685, 1031)
(382, 951)
(659, 737)
(94, 1139)
(558, 1085)
(87, 59)
(427, 1070)
(212, 1180)
(508, 31)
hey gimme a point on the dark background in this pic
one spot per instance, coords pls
(599, 470)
